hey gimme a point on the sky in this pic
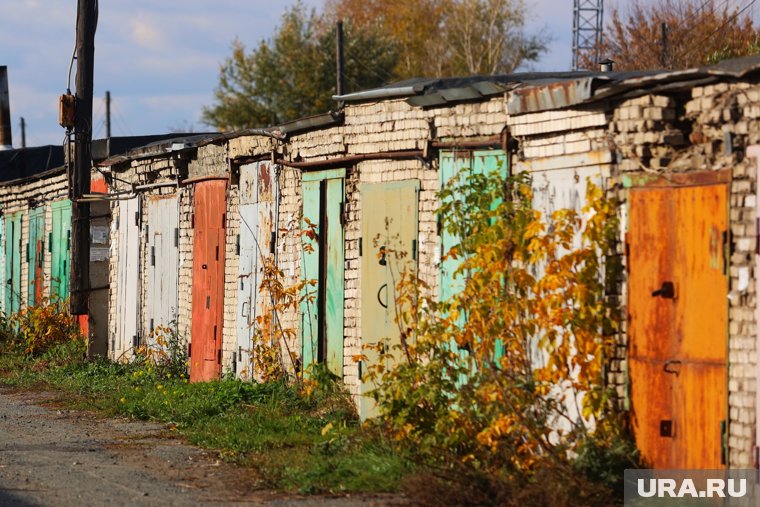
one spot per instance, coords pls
(160, 59)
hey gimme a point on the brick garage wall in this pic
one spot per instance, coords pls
(391, 125)
(707, 131)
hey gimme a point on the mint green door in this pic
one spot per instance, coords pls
(13, 263)
(323, 269)
(454, 168)
(35, 249)
(60, 246)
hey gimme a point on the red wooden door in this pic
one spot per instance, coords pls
(208, 280)
(678, 315)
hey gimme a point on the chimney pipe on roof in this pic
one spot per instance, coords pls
(6, 142)
(606, 65)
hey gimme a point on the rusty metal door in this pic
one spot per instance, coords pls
(678, 324)
(208, 279)
(323, 262)
(127, 278)
(258, 227)
(388, 249)
(162, 262)
(35, 249)
(13, 263)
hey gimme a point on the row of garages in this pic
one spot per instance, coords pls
(185, 227)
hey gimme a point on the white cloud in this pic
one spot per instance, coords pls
(145, 33)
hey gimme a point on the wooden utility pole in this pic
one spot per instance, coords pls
(339, 57)
(87, 20)
(108, 115)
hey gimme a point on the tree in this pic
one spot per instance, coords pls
(293, 74)
(676, 34)
(440, 38)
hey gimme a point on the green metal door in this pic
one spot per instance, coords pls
(388, 249)
(35, 249)
(13, 263)
(455, 166)
(323, 264)
(452, 172)
(59, 245)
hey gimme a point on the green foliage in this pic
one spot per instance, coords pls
(504, 381)
(34, 330)
(293, 74)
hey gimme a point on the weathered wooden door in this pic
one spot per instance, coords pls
(60, 249)
(13, 262)
(162, 230)
(208, 279)
(127, 278)
(389, 249)
(258, 226)
(35, 249)
(678, 335)
(323, 263)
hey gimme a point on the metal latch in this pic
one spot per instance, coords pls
(666, 428)
(666, 291)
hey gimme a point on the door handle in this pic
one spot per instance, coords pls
(666, 291)
(383, 286)
(670, 363)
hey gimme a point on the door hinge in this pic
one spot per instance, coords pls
(723, 446)
(219, 356)
(153, 256)
(224, 220)
(137, 218)
(50, 242)
(217, 252)
(273, 243)
(151, 325)
(27, 252)
(192, 220)
(360, 247)
(414, 249)
(727, 250)
(237, 245)
(189, 350)
(176, 237)
(147, 229)
(342, 208)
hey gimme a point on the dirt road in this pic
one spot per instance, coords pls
(55, 457)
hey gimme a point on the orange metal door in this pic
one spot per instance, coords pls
(208, 280)
(678, 311)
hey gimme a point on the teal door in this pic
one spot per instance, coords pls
(13, 263)
(35, 250)
(60, 246)
(323, 269)
(455, 166)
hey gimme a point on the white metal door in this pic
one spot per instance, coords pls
(258, 226)
(127, 279)
(162, 264)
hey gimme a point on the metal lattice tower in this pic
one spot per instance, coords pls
(587, 28)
